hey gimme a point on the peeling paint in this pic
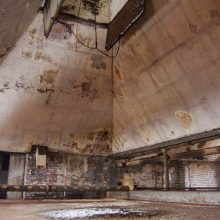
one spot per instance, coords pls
(26, 54)
(48, 76)
(39, 55)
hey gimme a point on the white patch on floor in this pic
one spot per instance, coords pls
(87, 212)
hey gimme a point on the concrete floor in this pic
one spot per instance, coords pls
(32, 210)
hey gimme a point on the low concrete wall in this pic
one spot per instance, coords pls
(16, 173)
(170, 196)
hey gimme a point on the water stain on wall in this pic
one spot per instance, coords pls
(97, 62)
(119, 74)
(97, 141)
(92, 5)
(184, 119)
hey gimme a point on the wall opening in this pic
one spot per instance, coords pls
(4, 167)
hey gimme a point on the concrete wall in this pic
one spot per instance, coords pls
(70, 169)
(166, 76)
(16, 174)
(182, 174)
(211, 198)
(56, 92)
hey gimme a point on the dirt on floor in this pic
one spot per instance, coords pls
(104, 209)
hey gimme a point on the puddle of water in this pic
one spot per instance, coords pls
(98, 212)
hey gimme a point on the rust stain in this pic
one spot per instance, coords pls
(32, 32)
(48, 76)
(97, 62)
(119, 74)
(184, 118)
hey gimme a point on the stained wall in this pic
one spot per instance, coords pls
(166, 76)
(56, 92)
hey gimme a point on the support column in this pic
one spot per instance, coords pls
(16, 174)
(166, 169)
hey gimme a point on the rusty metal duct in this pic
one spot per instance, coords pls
(132, 10)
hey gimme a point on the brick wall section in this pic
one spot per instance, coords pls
(182, 174)
(69, 169)
(148, 175)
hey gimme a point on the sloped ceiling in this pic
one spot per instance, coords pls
(166, 80)
(57, 93)
(15, 16)
(167, 75)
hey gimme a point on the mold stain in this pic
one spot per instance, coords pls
(92, 5)
(97, 141)
(42, 57)
(97, 62)
(45, 90)
(184, 119)
(88, 91)
(32, 32)
(4, 87)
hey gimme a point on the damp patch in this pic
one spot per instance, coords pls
(98, 212)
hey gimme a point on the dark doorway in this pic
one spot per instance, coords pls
(4, 166)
